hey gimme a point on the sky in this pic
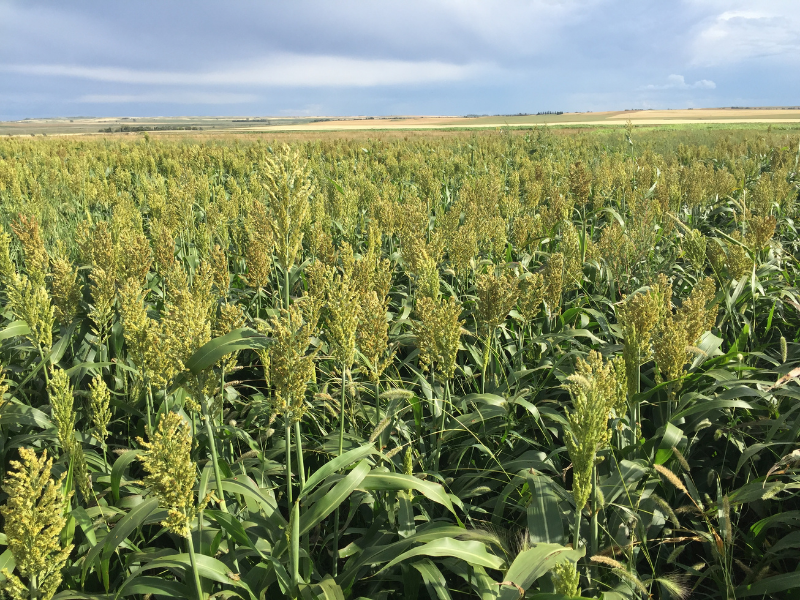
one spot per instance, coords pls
(415, 57)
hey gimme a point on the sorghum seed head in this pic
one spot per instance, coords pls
(170, 471)
(34, 517)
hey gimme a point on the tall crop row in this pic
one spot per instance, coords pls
(486, 366)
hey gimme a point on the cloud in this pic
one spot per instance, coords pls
(163, 35)
(678, 82)
(393, 57)
(733, 36)
(279, 70)
(179, 97)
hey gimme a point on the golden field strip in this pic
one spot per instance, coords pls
(85, 125)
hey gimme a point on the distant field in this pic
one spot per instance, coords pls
(180, 125)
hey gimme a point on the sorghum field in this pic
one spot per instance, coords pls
(475, 366)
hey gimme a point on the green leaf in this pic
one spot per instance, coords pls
(85, 522)
(710, 405)
(373, 554)
(755, 490)
(484, 586)
(791, 540)
(433, 579)
(61, 345)
(119, 469)
(207, 567)
(126, 525)
(234, 528)
(671, 438)
(340, 492)
(327, 589)
(35, 370)
(474, 553)
(121, 531)
(627, 475)
(531, 564)
(254, 498)
(770, 585)
(790, 516)
(405, 515)
(401, 481)
(74, 595)
(6, 562)
(211, 352)
(340, 462)
(544, 516)
(491, 399)
(754, 449)
(21, 414)
(147, 584)
(98, 365)
(15, 329)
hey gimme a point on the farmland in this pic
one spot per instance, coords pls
(176, 126)
(453, 365)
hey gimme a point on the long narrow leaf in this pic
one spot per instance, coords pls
(473, 553)
(334, 498)
(335, 465)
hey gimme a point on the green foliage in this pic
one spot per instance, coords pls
(497, 365)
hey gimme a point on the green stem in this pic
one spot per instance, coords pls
(445, 404)
(635, 403)
(295, 547)
(288, 438)
(486, 353)
(33, 587)
(341, 410)
(299, 449)
(378, 403)
(583, 245)
(212, 444)
(149, 402)
(301, 469)
(286, 287)
(594, 544)
(576, 528)
(195, 572)
(335, 568)
(44, 366)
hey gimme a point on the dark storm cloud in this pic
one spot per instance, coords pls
(448, 57)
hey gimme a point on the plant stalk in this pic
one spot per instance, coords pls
(33, 586)
(299, 450)
(294, 538)
(301, 469)
(445, 404)
(149, 409)
(594, 531)
(212, 444)
(377, 403)
(195, 572)
(286, 287)
(335, 553)
(288, 438)
(486, 354)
